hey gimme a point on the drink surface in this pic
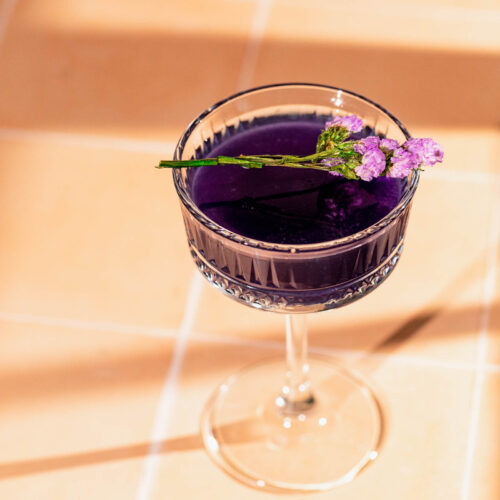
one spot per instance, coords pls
(285, 205)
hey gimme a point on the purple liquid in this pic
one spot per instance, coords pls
(284, 205)
(291, 206)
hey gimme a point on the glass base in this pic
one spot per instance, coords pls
(325, 446)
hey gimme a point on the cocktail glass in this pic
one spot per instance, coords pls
(302, 423)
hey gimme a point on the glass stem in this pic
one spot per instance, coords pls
(296, 395)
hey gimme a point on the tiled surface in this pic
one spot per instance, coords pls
(485, 483)
(437, 89)
(107, 350)
(77, 410)
(87, 235)
(99, 68)
(443, 24)
(494, 328)
(403, 55)
(493, 331)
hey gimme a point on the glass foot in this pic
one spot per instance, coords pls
(324, 446)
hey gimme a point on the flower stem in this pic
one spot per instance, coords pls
(310, 161)
(364, 159)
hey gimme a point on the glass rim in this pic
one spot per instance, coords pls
(410, 188)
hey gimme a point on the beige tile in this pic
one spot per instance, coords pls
(493, 337)
(485, 481)
(427, 413)
(492, 319)
(429, 306)
(77, 410)
(145, 70)
(457, 5)
(414, 65)
(443, 24)
(90, 234)
(225, 16)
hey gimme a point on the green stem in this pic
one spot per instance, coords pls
(309, 161)
(189, 163)
(220, 160)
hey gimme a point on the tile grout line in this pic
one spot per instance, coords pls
(89, 141)
(261, 15)
(167, 398)
(6, 9)
(97, 326)
(482, 344)
(169, 333)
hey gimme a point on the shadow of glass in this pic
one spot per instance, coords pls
(237, 432)
(71, 460)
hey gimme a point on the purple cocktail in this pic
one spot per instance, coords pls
(283, 205)
(291, 207)
(291, 241)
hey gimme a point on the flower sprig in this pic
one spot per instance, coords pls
(364, 159)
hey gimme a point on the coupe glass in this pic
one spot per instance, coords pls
(300, 423)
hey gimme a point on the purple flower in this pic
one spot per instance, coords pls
(359, 148)
(413, 154)
(426, 151)
(389, 144)
(367, 144)
(371, 142)
(372, 164)
(350, 122)
(403, 162)
(333, 162)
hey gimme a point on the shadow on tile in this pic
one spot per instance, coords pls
(129, 81)
(422, 88)
(373, 336)
(238, 432)
(71, 460)
(143, 368)
(377, 337)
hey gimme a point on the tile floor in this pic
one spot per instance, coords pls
(110, 341)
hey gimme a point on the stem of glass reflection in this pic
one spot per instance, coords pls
(296, 396)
